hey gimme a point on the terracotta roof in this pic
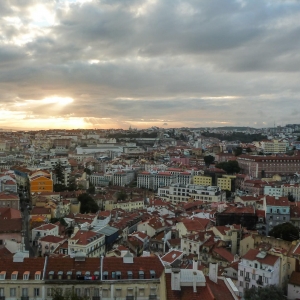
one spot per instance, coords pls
(51, 239)
(224, 254)
(40, 211)
(171, 256)
(83, 237)
(145, 264)
(295, 278)
(269, 259)
(29, 264)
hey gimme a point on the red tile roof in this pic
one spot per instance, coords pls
(269, 259)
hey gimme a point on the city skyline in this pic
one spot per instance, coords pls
(114, 64)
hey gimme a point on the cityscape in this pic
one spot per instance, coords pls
(149, 150)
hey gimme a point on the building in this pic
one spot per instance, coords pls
(8, 199)
(40, 181)
(202, 180)
(291, 189)
(224, 183)
(95, 278)
(258, 269)
(89, 242)
(274, 146)
(182, 193)
(145, 180)
(277, 211)
(268, 166)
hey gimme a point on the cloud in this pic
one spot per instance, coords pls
(188, 62)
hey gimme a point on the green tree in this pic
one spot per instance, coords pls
(59, 172)
(230, 167)
(209, 159)
(87, 204)
(285, 231)
(238, 151)
(91, 189)
(61, 220)
(87, 171)
(291, 198)
(58, 187)
(58, 295)
(121, 195)
(269, 292)
(248, 150)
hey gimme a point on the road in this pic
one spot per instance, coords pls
(26, 230)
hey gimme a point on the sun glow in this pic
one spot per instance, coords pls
(58, 100)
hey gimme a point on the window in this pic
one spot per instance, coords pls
(118, 292)
(129, 274)
(141, 292)
(247, 285)
(77, 291)
(51, 274)
(12, 292)
(69, 275)
(129, 291)
(241, 283)
(241, 273)
(105, 275)
(118, 275)
(24, 292)
(49, 292)
(266, 280)
(152, 274)
(36, 292)
(105, 293)
(141, 275)
(2, 275)
(253, 276)
(60, 274)
(87, 292)
(14, 275)
(96, 292)
(26, 275)
(153, 291)
(247, 275)
(37, 275)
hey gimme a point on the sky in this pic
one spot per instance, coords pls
(142, 63)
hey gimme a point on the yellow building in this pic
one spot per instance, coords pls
(224, 183)
(40, 181)
(202, 180)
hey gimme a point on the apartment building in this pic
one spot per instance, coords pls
(40, 181)
(258, 269)
(182, 193)
(291, 189)
(277, 211)
(105, 278)
(9, 200)
(273, 190)
(123, 178)
(145, 180)
(224, 183)
(100, 179)
(162, 179)
(268, 166)
(202, 180)
(89, 242)
(274, 146)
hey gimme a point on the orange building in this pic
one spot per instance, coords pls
(40, 181)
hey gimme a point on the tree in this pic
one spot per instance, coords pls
(121, 196)
(91, 189)
(269, 292)
(87, 204)
(230, 167)
(285, 231)
(87, 171)
(57, 294)
(209, 159)
(248, 150)
(59, 172)
(238, 151)
(291, 198)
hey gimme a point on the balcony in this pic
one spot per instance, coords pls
(96, 298)
(152, 297)
(259, 282)
(129, 297)
(2, 297)
(247, 279)
(24, 297)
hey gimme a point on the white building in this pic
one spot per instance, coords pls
(258, 269)
(177, 193)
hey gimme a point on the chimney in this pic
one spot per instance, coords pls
(195, 263)
(213, 272)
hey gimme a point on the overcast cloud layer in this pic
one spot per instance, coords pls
(171, 63)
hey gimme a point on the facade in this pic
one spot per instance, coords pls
(89, 242)
(268, 166)
(258, 269)
(224, 183)
(182, 193)
(275, 191)
(291, 189)
(162, 179)
(9, 200)
(41, 181)
(274, 146)
(95, 278)
(145, 180)
(100, 179)
(277, 211)
(44, 230)
(202, 180)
